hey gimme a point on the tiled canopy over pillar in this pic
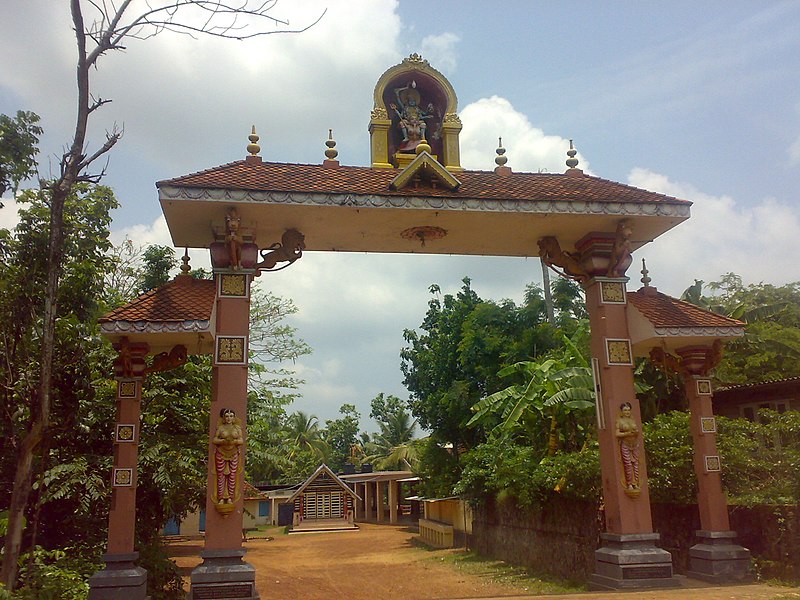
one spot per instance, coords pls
(685, 339)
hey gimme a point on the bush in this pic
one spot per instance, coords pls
(761, 460)
(500, 467)
(55, 574)
(668, 447)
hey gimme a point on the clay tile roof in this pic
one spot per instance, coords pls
(182, 299)
(286, 177)
(664, 311)
(252, 493)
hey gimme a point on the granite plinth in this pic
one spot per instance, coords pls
(631, 562)
(223, 575)
(121, 578)
(717, 558)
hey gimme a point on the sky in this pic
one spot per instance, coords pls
(699, 100)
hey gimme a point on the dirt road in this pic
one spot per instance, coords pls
(382, 562)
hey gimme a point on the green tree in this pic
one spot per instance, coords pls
(19, 137)
(340, 435)
(110, 25)
(550, 403)
(157, 264)
(770, 348)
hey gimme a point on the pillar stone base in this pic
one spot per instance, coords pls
(223, 575)
(121, 578)
(631, 562)
(717, 558)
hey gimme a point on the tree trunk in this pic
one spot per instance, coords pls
(23, 478)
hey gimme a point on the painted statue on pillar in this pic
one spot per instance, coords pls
(627, 433)
(228, 440)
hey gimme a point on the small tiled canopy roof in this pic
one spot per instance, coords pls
(655, 319)
(665, 311)
(365, 209)
(179, 312)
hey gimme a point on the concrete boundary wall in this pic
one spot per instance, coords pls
(560, 537)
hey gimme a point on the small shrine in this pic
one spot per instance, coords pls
(256, 216)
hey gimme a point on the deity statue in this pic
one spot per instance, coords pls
(227, 459)
(412, 116)
(627, 432)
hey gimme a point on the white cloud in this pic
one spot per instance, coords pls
(757, 241)
(528, 148)
(440, 51)
(9, 215)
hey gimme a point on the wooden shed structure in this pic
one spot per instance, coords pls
(323, 501)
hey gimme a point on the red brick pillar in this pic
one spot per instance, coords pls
(121, 577)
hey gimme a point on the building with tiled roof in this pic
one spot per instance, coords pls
(747, 399)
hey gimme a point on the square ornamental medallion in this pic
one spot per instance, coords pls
(703, 387)
(123, 478)
(126, 433)
(712, 464)
(233, 285)
(618, 352)
(126, 389)
(231, 350)
(708, 425)
(612, 292)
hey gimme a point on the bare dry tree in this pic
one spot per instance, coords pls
(108, 25)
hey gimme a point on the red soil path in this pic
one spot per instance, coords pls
(382, 562)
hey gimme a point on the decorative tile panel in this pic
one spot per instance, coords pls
(712, 464)
(126, 389)
(126, 433)
(704, 387)
(231, 350)
(618, 352)
(233, 285)
(612, 292)
(708, 425)
(123, 478)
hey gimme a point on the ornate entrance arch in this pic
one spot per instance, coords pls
(415, 197)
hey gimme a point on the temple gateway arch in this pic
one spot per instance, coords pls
(414, 197)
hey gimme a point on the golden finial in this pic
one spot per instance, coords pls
(423, 146)
(501, 158)
(253, 148)
(572, 162)
(331, 152)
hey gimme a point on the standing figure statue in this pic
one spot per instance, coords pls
(227, 459)
(627, 432)
(412, 116)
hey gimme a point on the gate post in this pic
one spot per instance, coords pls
(716, 556)
(223, 573)
(121, 577)
(628, 557)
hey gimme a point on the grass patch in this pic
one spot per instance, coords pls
(498, 571)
